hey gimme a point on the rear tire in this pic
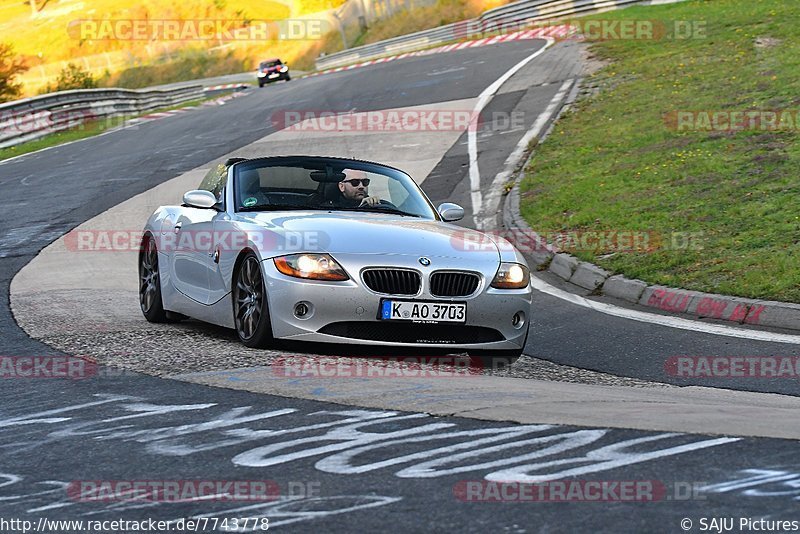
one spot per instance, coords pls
(150, 283)
(250, 309)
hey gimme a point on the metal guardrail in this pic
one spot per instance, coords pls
(31, 118)
(501, 19)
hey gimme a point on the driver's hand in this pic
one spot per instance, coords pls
(370, 201)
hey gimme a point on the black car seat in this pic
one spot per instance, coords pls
(330, 193)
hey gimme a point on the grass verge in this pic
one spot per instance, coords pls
(617, 162)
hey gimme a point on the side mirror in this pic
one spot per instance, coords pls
(450, 212)
(199, 198)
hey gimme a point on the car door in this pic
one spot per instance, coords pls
(193, 255)
(228, 241)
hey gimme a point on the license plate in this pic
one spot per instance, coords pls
(274, 75)
(423, 312)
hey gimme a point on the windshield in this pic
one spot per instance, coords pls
(271, 184)
(267, 64)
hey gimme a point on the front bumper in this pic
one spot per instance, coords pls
(267, 78)
(347, 312)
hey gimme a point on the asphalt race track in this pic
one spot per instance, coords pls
(342, 466)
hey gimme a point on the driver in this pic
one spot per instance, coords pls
(354, 189)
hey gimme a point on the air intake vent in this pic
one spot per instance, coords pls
(392, 281)
(450, 284)
(400, 332)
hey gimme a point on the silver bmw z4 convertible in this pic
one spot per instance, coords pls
(332, 250)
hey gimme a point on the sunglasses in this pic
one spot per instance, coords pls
(354, 181)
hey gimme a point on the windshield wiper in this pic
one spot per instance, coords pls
(279, 207)
(282, 207)
(380, 210)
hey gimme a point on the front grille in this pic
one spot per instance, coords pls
(452, 284)
(392, 281)
(395, 332)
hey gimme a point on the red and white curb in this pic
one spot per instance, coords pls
(162, 114)
(221, 100)
(539, 33)
(226, 86)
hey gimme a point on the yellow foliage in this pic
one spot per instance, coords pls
(47, 41)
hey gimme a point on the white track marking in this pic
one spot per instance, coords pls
(663, 320)
(472, 139)
(486, 219)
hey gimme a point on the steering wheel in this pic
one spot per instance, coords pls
(385, 203)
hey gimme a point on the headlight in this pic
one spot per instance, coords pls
(311, 266)
(284, 69)
(511, 276)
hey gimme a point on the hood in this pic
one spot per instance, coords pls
(375, 233)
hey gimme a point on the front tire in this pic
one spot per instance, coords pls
(250, 309)
(150, 283)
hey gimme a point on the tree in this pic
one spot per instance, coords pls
(10, 66)
(73, 77)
